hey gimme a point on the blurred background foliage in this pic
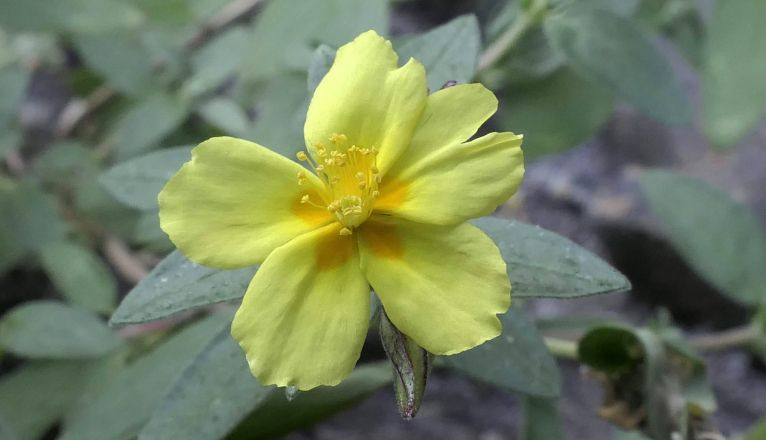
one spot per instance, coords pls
(101, 101)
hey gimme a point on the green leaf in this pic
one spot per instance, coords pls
(278, 416)
(211, 397)
(619, 434)
(10, 139)
(148, 233)
(13, 84)
(758, 431)
(80, 275)
(541, 420)
(321, 61)
(79, 16)
(28, 221)
(95, 204)
(611, 348)
(556, 112)
(50, 329)
(120, 58)
(720, 238)
(217, 60)
(613, 51)
(449, 52)
(146, 123)
(333, 22)
(176, 285)
(36, 395)
(63, 164)
(517, 360)
(137, 182)
(531, 60)
(648, 381)
(542, 263)
(281, 106)
(733, 89)
(226, 115)
(125, 403)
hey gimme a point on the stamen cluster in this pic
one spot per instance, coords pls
(351, 177)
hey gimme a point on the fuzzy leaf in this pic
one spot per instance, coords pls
(517, 360)
(53, 330)
(176, 285)
(543, 263)
(719, 237)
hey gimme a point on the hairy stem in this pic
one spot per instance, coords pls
(508, 39)
(731, 338)
(561, 348)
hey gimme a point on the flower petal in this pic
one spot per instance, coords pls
(451, 116)
(367, 98)
(441, 286)
(455, 183)
(304, 317)
(235, 202)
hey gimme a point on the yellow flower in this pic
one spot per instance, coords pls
(384, 204)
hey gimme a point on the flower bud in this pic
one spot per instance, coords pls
(411, 365)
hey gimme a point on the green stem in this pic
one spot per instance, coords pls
(562, 348)
(508, 39)
(732, 338)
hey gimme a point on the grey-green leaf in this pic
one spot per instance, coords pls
(613, 51)
(121, 406)
(278, 416)
(137, 182)
(146, 123)
(556, 112)
(541, 420)
(28, 221)
(80, 275)
(543, 263)
(13, 84)
(321, 61)
(733, 88)
(210, 398)
(54, 330)
(517, 360)
(333, 22)
(226, 115)
(448, 52)
(37, 394)
(176, 285)
(120, 58)
(719, 237)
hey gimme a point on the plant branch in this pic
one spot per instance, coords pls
(513, 34)
(504, 42)
(724, 340)
(561, 348)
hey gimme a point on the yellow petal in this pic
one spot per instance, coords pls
(235, 202)
(455, 183)
(304, 317)
(368, 99)
(441, 286)
(451, 116)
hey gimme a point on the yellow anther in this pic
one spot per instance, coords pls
(305, 199)
(375, 193)
(338, 138)
(374, 169)
(302, 156)
(301, 178)
(360, 176)
(344, 231)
